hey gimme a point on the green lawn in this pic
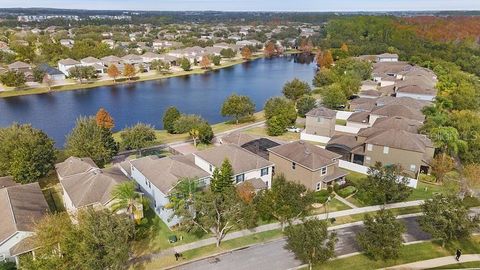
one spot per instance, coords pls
(425, 191)
(333, 206)
(408, 254)
(262, 131)
(153, 235)
(341, 122)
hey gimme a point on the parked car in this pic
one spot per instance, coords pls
(293, 129)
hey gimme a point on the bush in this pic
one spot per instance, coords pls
(205, 133)
(321, 196)
(7, 266)
(187, 122)
(346, 191)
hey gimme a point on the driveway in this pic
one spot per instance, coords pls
(273, 255)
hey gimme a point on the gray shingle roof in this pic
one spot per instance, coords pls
(74, 165)
(20, 207)
(401, 139)
(240, 159)
(322, 111)
(305, 154)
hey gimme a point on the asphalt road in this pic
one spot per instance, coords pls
(273, 255)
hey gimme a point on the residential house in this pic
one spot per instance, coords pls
(112, 60)
(96, 63)
(246, 165)
(67, 42)
(85, 185)
(20, 67)
(307, 164)
(65, 65)
(387, 57)
(321, 121)
(158, 176)
(21, 206)
(53, 73)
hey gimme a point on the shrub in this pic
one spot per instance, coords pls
(346, 191)
(321, 196)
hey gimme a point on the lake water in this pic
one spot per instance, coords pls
(203, 94)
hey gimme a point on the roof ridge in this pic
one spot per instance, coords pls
(11, 209)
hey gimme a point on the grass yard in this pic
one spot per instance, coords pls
(408, 254)
(341, 122)
(262, 131)
(153, 235)
(333, 206)
(425, 191)
(169, 261)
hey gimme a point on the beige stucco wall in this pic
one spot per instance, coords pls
(300, 174)
(400, 157)
(324, 127)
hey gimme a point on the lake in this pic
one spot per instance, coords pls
(203, 94)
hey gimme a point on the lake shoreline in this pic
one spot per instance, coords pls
(95, 84)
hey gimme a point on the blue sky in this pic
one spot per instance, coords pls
(253, 5)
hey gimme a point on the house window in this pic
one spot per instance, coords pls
(264, 171)
(324, 170)
(413, 167)
(369, 147)
(385, 149)
(319, 186)
(210, 167)
(240, 178)
(320, 120)
(293, 165)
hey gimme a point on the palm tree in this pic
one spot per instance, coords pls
(126, 197)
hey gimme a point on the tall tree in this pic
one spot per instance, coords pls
(104, 119)
(205, 63)
(295, 89)
(13, 79)
(113, 72)
(138, 136)
(82, 73)
(99, 240)
(280, 113)
(87, 139)
(205, 133)
(270, 49)
(129, 71)
(246, 53)
(381, 237)
(169, 118)
(238, 107)
(447, 218)
(447, 139)
(26, 153)
(285, 201)
(185, 64)
(441, 165)
(305, 104)
(222, 177)
(311, 242)
(384, 184)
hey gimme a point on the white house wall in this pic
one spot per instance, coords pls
(12, 241)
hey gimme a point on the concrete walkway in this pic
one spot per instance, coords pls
(274, 226)
(437, 262)
(344, 201)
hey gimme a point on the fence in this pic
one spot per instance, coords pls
(364, 170)
(314, 138)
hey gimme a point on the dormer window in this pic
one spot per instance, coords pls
(293, 165)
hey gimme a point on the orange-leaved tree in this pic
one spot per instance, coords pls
(104, 119)
(246, 53)
(129, 71)
(113, 72)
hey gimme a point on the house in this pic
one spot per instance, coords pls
(20, 67)
(156, 177)
(307, 164)
(85, 185)
(21, 206)
(132, 59)
(65, 65)
(391, 145)
(96, 63)
(321, 121)
(416, 92)
(53, 73)
(111, 60)
(387, 57)
(67, 43)
(246, 165)
(148, 57)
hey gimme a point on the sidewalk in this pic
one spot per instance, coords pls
(274, 226)
(344, 201)
(437, 262)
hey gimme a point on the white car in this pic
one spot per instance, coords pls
(293, 129)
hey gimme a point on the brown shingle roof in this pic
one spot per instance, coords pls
(20, 207)
(7, 181)
(305, 154)
(68, 62)
(399, 110)
(401, 139)
(322, 111)
(19, 65)
(397, 122)
(415, 89)
(74, 165)
(92, 187)
(164, 173)
(240, 159)
(359, 117)
(405, 101)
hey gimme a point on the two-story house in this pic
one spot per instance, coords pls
(307, 164)
(321, 121)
